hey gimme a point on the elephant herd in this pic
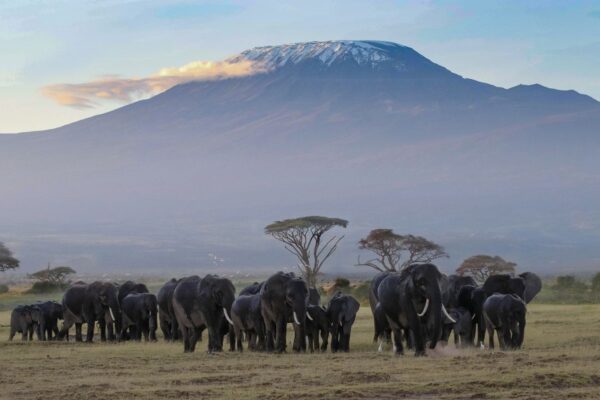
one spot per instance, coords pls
(420, 306)
(417, 307)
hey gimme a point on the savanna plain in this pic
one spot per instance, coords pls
(560, 359)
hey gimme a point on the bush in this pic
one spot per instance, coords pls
(47, 287)
(342, 283)
(3, 288)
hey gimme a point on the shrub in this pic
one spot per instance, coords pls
(3, 288)
(342, 283)
(46, 287)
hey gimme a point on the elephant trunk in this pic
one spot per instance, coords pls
(435, 316)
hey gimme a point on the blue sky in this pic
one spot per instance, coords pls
(45, 43)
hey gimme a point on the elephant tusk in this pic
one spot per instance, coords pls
(227, 316)
(111, 313)
(447, 315)
(296, 319)
(473, 317)
(424, 308)
(308, 316)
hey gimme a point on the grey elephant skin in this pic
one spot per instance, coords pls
(317, 325)
(131, 287)
(533, 285)
(166, 313)
(284, 298)
(204, 303)
(504, 284)
(139, 313)
(455, 284)
(47, 319)
(247, 320)
(412, 300)
(22, 322)
(461, 328)
(472, 298)
(341, 311)
(382, 327)
(90, 303)
(505, 315)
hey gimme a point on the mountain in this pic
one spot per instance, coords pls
(369, 131)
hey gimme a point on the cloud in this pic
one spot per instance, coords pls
(88, 94)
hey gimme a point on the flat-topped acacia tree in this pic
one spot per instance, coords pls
(305, 238)
(481, 266)
(7, 261)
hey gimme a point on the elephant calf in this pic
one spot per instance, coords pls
(317, 323)
(461, 327)
(139, 315)
(505, 314)
(21, 321)
(341, 311)
(247, 318)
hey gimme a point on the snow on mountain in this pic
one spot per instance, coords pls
(364, 52)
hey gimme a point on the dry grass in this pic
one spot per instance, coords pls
(560, 359)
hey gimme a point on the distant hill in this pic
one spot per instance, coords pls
(369, 131)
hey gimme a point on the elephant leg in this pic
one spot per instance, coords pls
(102, 329)
(490, 331)
(324, 340)
(418, 334)
(90, 331)
(78, 334)
(193, 338)
(480, 330)
(186, 339)
(335, 338)
(12, 333)
(24, 335)
(238, 337)
(397, 333)
(346, 345)
(270, 345)
(165, 329)
(280, 335)
(30, 332)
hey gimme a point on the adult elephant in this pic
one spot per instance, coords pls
(204, 303)
(533, 285)
(284, 297)
(131, 287)
(455, 284)
(317, 324)
(251, 289)
(505, 315)
(412, 300)
(139, 315)
(504, 284)
(314, 298)
(166, 313)
(341, 312)
(96, 302)
(21, 321)
(247, 319)
(47, 319)
(472, 298)
(382, 330)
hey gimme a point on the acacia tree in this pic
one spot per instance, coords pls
(304, 238)
(7, 261)
(55, 276)
(481, 266)
(391, 248)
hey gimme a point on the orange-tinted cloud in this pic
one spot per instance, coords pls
(87, 94)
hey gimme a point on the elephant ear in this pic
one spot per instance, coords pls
(533, 285)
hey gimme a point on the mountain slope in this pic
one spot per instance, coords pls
(370, 131)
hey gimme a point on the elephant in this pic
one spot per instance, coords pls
(533, 285)
(131, 287)
(504, 284)
(341, 313)
(314, 298)
(381, 326)
(21, 321)
(46, 315)
(204, 303)
(284, 297)
(247, 319)
(139, 312)
(412, 300)
(251, 289)
(166, 314)
(461, 328)
(88, 303)
(455, 283)
(505, 314)
(472, 298)
(317, 323)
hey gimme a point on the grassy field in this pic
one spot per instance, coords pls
(560, 359)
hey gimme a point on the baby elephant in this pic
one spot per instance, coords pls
(317, 324)
(505, 314)
(139, 315)
(341, 311)
(247, 319)
(461, 328)
(21, 321)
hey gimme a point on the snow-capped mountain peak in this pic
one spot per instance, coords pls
(363, 53)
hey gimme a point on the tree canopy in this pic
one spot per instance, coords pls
(304, 238)
(7, 260)
(56, 275)
(394, 252)
(481, 266)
